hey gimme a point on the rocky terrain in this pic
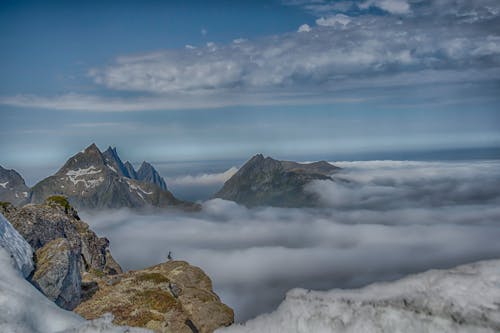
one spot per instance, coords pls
(92, 179)
(73, 267)
(169, 297)
(266, 181)
(25, 309)
(12, 187)
(65, 249)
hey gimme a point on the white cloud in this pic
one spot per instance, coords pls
(304, 28)
(342, 54)
(204, 179)
(391, 6)
(339, 19)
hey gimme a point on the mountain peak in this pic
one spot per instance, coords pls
(111, 150)
(266, 181)
(148, 173)
(92, 148)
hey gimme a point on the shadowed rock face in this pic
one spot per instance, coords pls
(57, 273)
(65, 248)
(147, 173)
(91, 179)
(169, 297)
(265, 181)
(13, 189)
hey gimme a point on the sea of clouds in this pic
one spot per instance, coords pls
(381, 220)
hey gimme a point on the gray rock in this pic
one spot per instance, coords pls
(65, 248)
(130, 170)
(91, 179)
(113, 160)
(147, 173)
(13, 189)
(266, 181)
(57, 274)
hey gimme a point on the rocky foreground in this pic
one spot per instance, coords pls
(74, 268)
(169, 297)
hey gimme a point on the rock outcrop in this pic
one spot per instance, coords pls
(13, 189)
(91, 179)
(266, 181)
(57, 273)
(65, 249)
(169, 297)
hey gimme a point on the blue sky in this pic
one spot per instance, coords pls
(164, 81)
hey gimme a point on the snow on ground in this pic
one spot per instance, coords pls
(14, 243)
(23, 309)
(463, 299)
(89, 183)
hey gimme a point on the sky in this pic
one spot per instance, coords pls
(222, 80)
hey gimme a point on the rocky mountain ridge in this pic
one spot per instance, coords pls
(264, 181)
(91, 179)
(13, 189)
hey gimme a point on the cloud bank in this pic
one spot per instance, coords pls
(398, 218)
(371, 44)
(201, 186)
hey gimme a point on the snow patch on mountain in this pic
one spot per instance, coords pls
(4, 185)
(89, 183)
(137, 188)
(463, 299)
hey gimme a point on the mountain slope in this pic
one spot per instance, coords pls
(13, 189)
(266, 181)
(91, 179)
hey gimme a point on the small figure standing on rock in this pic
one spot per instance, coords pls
(169, 257)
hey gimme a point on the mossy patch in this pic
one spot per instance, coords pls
(153, 277)
(58, 200)
(159, 300)
(5, 205)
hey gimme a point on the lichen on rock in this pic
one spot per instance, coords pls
(169, 297)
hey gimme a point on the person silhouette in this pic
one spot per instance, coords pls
(169, 257)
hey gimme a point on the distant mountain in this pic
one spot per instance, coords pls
(91, 179)
(269, 182)
(13, 189)
(130, 170)
(147, 173)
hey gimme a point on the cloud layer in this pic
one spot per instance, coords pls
(373, 44)
(398, 218)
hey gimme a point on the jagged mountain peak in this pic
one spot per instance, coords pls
(130, 170)
(114, 162)
(13, 188)
(147, 173)
(91, 179)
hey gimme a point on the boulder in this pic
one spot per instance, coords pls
(66, 248)
(169, 297)
(57, 274)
